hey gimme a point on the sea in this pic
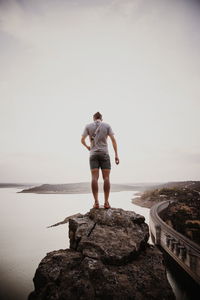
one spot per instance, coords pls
(25, 236)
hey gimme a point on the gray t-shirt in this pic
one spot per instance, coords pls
(101, 136)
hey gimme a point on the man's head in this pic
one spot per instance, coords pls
(97, 116)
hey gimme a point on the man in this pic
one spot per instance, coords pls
(98, 131)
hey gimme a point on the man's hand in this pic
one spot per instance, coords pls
(116, 160)
(114, 143)
(88, 147)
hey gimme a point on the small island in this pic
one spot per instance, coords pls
(82, 188)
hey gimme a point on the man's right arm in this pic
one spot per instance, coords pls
(84, 143)
(114, 143)
(84, 135)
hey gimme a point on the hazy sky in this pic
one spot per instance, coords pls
(137, 62)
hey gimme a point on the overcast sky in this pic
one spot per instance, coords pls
(137, 62)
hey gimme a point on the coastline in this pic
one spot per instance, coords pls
(69, 192)
(76, 188)
(142, 203)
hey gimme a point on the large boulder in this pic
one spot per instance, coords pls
(109, 258)
(114, 236)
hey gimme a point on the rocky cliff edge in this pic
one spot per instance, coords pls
(109, 258)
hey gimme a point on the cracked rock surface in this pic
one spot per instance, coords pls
(114, 236)
(109, 258)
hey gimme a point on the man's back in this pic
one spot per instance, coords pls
(104, 130)
(98, 132)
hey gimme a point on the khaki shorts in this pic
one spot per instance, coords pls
(100, 160)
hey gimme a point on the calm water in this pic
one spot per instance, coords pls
(25, 238)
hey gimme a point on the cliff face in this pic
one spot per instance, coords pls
(184, 217)
(183, 214)
(109, 258)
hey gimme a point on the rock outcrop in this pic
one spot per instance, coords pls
(109, 258)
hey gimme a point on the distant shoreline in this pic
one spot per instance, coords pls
(138, 201)
(72, 192)
(159, 193)
(15, 185)
(77, 188)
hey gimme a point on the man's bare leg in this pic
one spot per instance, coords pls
(106, 186)
(94, 185)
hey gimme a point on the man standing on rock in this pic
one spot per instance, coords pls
(98, 132)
